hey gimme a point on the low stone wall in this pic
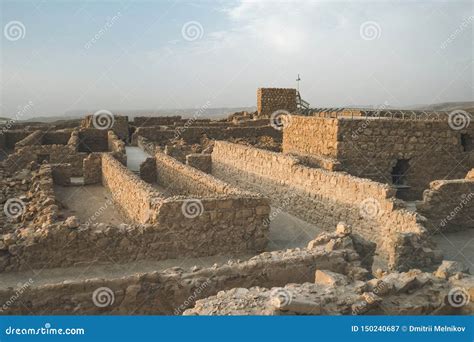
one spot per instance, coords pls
(55, 154)
(174, 290)
(325, 198)
(12, 136)
(187, 180)
(92, 166)
(34, 138)
(93, 140)
(148, 170)
(136, 198)
(117, 147)
(193, 135)
(448, 205)
(146, 145)
(144, 121)
(200, 161)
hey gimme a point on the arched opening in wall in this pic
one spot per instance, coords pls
(467, 142)
(399, 178)
(399, 171)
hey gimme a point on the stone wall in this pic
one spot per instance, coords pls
(117, 147)
(193, 135)
(93, 140)
(118, 124)
(136, 198)
(34, 138)
(14, 136)
(200, 161)
(371, 148)
(324, 198)
(172, 291)
(30, 150)
(144, 121)
(448, 205)
(270, 100)
(148, 170)
(61, 174)
(56, 137)
(92, 166)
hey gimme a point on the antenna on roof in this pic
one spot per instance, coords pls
(298, 83)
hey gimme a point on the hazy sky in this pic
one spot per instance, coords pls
(61, 56)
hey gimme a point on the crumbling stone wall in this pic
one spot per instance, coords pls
(325, 198)
(117, 147)
(174, 290)
(144, 121)
(371, 147)
(136, 198)
(119, 126)
(148, 170)
(93, 140)
(448, 205)
(92, 167)
(184, 179)
(193, 135)
(14, 136)
(270, 100)
(200, 161)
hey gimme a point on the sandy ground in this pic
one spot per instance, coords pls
(88, 202)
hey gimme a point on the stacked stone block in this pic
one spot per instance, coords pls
(270, 100)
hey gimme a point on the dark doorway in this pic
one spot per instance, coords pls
(467, 143)
(399, 172)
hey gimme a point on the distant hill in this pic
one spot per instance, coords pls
(448, 106)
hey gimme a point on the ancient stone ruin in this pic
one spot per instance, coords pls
(285, 211)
